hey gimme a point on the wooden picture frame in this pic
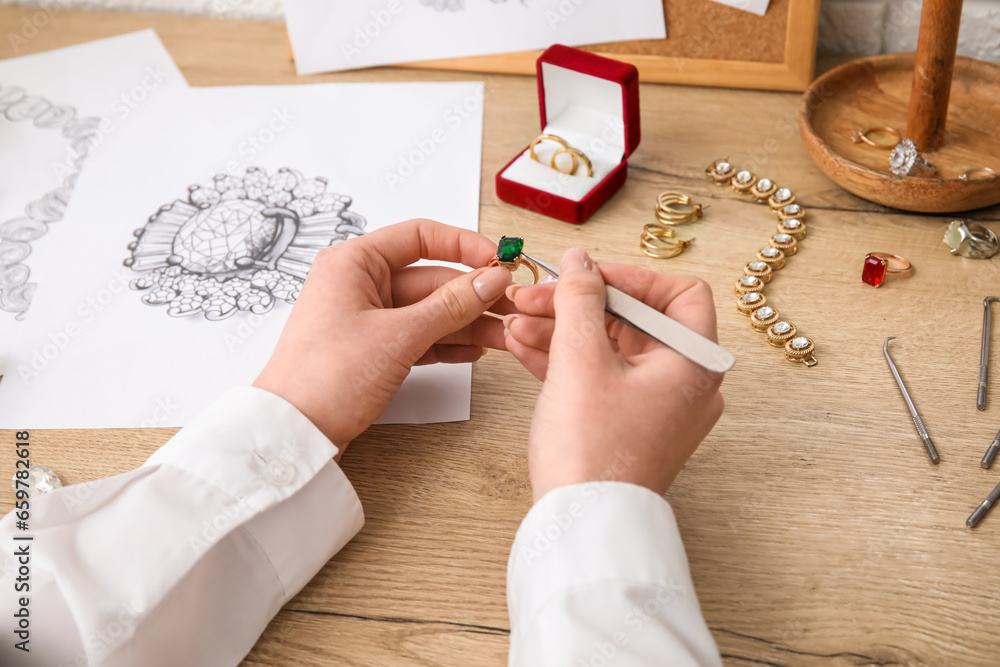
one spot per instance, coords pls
(707, 44)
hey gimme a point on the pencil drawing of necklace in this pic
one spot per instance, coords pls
(239, 244)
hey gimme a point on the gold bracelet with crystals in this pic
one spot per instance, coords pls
(757, 273)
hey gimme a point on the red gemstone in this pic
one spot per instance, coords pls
(874, 270)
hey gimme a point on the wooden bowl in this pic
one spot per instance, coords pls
(875, 92)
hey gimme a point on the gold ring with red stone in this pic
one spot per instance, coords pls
(780, 333)
(763, 189)
(784, 242)
(791, 211)
(800, 349)
(773, 257)
(763, 317)
(793, 227)
(720, 171)
(743, 181)
(747, 284)
(780, 198)
(750, 302)
(758, 269)
(878, 266)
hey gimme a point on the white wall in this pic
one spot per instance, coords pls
(846, 26)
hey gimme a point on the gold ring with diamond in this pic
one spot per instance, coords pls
(509, 256)
(574, 153)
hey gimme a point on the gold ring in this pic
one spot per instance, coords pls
(509, 256)
(545, 137)
(978, 174)
(668, 215)
(862, 137)
(879, 265)
(575, 153)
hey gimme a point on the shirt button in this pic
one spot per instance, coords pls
(279, 472)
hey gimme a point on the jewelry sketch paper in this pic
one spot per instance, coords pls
(329, 36)
(232, 192)
(239, 244)
(55, 107)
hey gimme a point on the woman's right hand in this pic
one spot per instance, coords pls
(616, 405)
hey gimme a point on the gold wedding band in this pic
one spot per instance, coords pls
(862, 137)
(545, 137)
(574, 153)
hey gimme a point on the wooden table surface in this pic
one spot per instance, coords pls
(817, 530)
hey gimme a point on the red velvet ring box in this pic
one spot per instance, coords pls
(592, 102)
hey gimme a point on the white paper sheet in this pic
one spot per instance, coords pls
(56, 107)
(758, 7)
(329, 36)
(91, 353)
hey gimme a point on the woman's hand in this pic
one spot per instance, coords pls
(616, 405)
(365, 317)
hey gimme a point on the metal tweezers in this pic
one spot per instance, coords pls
(656, 325)
(984, 355)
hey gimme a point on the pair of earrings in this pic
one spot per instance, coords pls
(672, 208)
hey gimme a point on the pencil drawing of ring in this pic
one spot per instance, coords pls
(906, 160)
(574, 153)
(545, 137)
(239, 244)
(510, 257)
(970, 239)
(862, 137)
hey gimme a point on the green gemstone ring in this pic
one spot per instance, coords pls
(509, 256)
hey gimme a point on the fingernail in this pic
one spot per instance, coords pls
(576, 259)
(512, 290)
(490, 284)
(507, 319)
(549, 279)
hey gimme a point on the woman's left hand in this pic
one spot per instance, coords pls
(365, 317)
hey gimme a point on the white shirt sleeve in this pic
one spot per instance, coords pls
(185, 560)
(598, 576)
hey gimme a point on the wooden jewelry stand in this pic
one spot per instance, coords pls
(872, 93)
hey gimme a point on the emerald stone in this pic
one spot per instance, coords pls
(509, 249)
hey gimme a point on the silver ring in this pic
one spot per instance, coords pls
(906, 160)
(971, 239)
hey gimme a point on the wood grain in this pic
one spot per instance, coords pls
(935, 60)
(817, 531)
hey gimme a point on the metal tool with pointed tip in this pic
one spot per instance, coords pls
(991, 452)
(655, 324)
(917, 421)
(983, 508)
(984, 354)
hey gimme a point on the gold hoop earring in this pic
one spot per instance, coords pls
(654, 243)
(668, 214)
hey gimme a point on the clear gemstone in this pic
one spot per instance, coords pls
(749, 281)
(781, 327)
(792, 209)
(784, 194)
(800, 343)
(744, 177)
(782, 238)
(40, 480)
(792, 223)
(765, 312)
(769, 252)
(764, 184)
(723, 167)
(752, 297)
(758, 266)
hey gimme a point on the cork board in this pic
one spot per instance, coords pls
(707, 43)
